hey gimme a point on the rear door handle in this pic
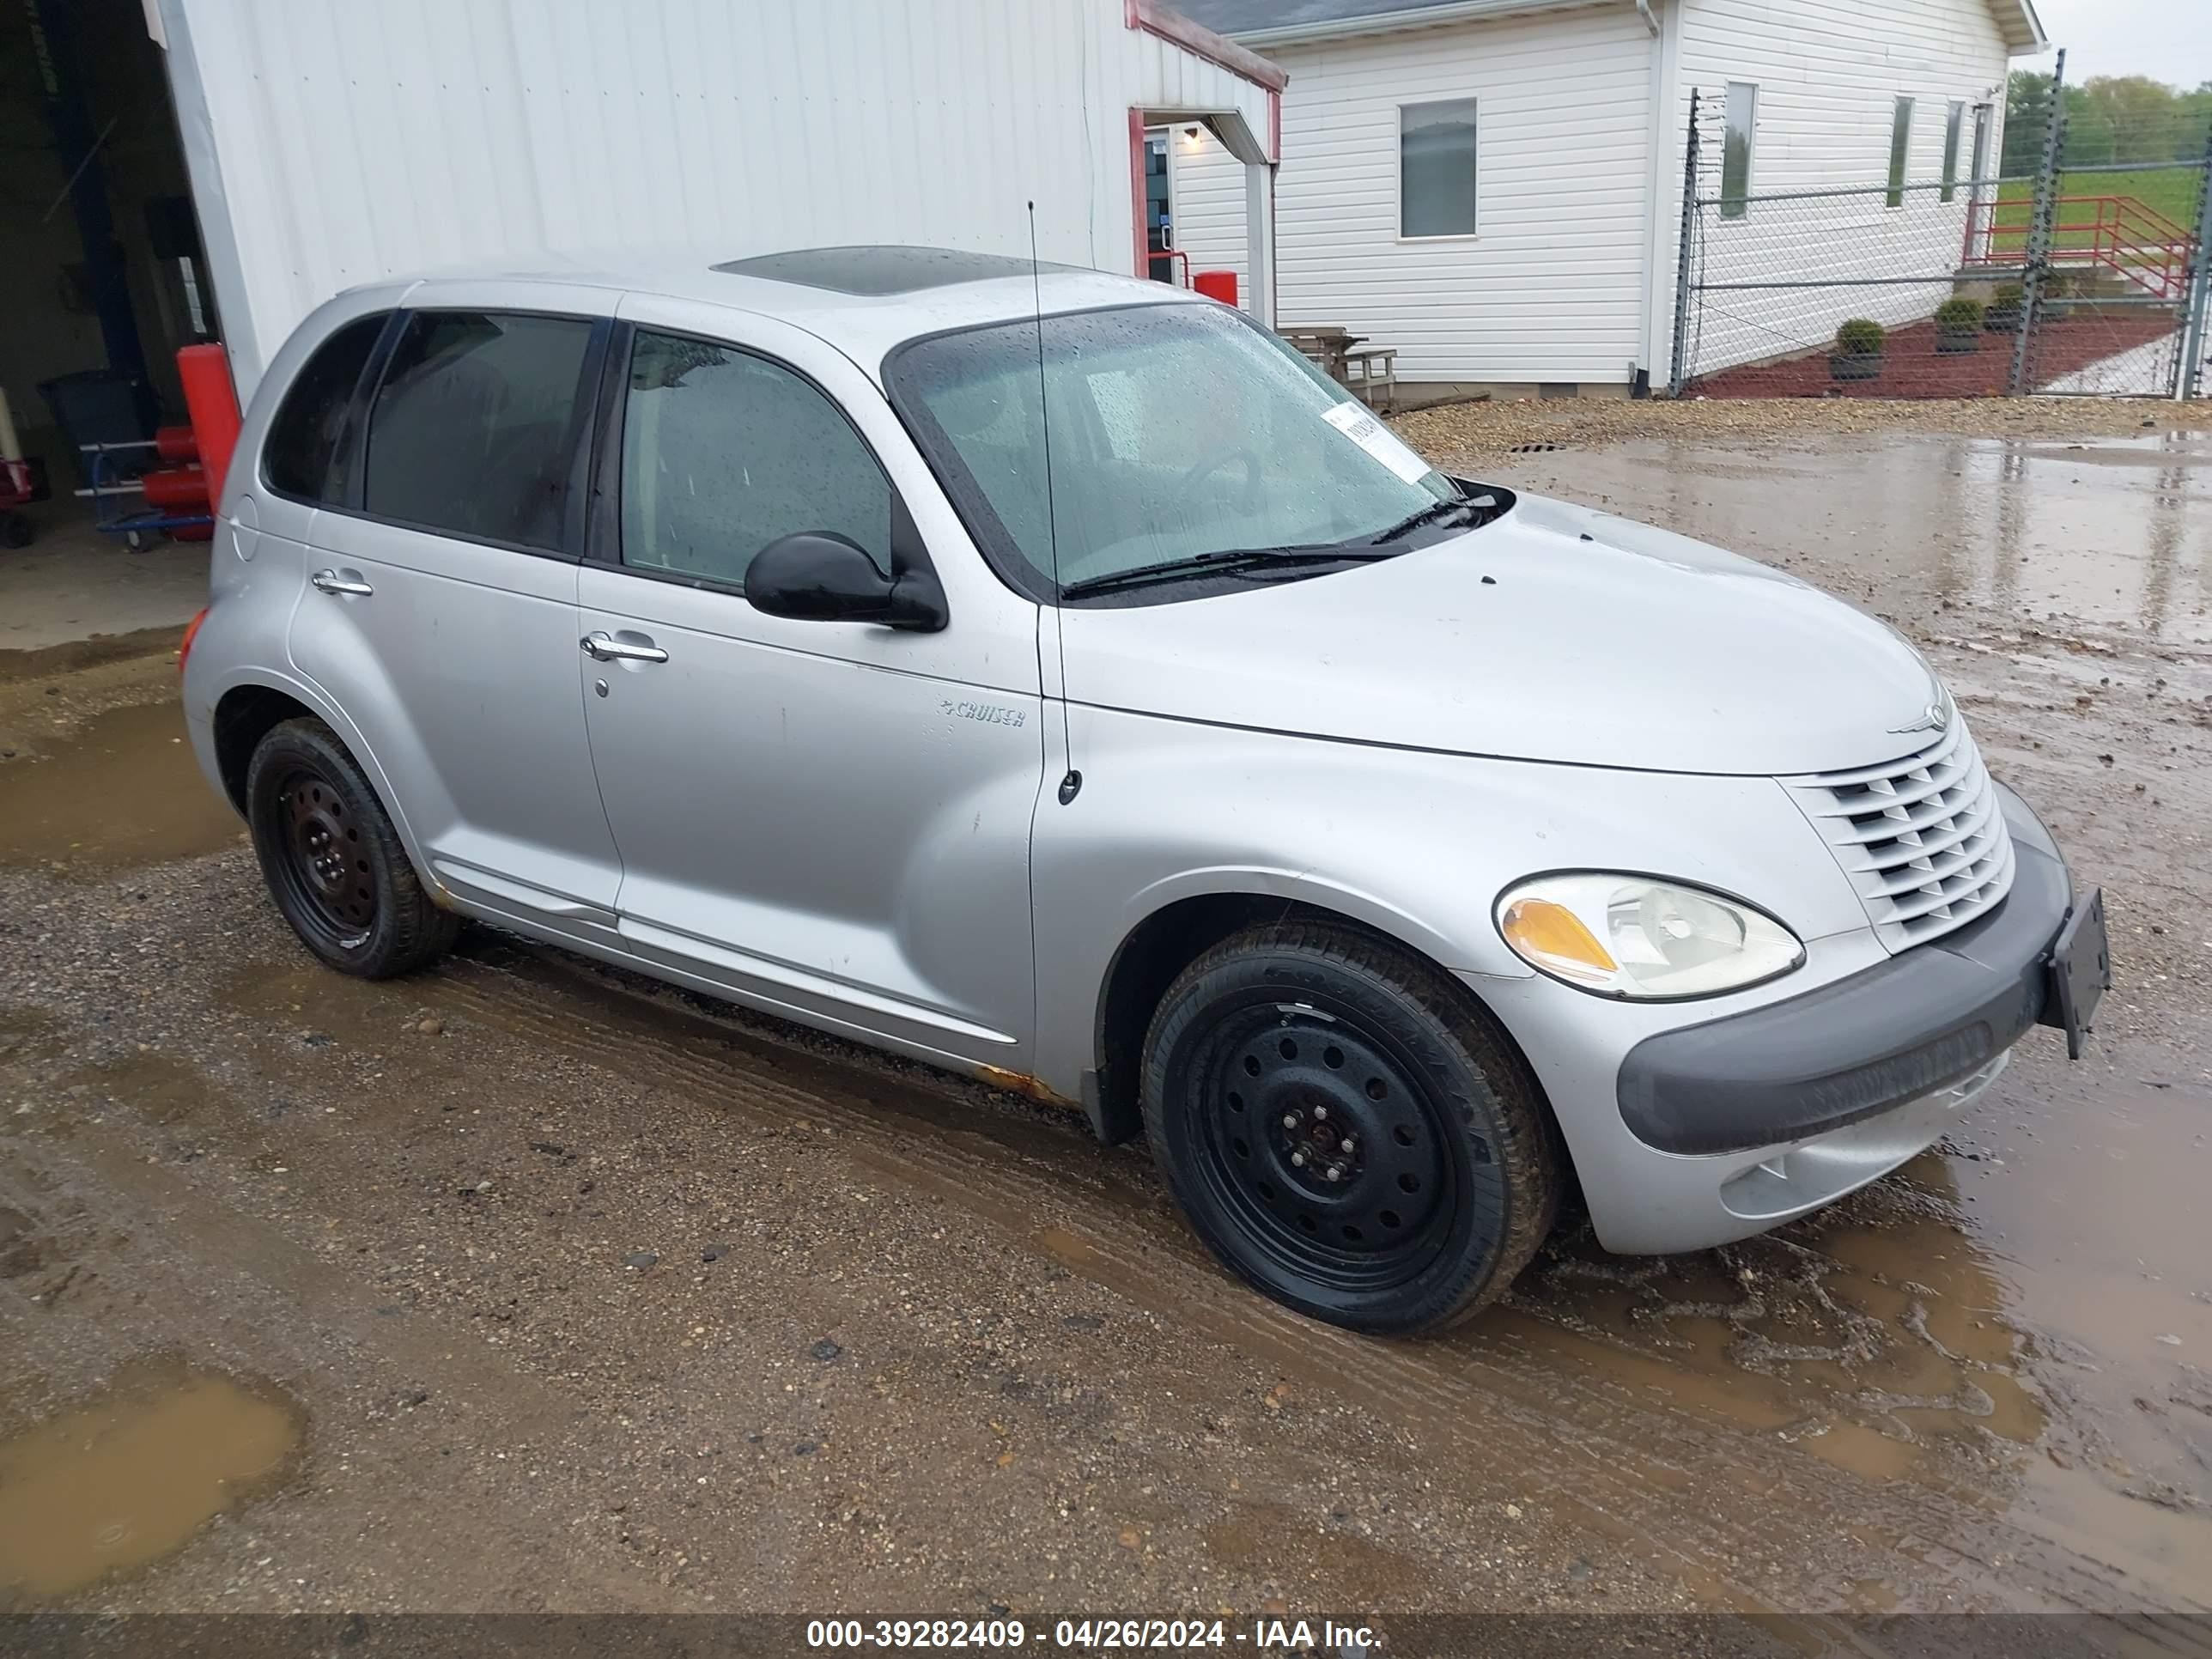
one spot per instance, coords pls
(330, 582)
(603, 647)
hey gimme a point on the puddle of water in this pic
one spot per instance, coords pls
(131, 1475)
(1870, 1341)
(2117, 531)
(2022, 1318)
(122, 791)
(156, 1087)
(2091, 1190)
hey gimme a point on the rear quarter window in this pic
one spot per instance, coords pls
(297, 456)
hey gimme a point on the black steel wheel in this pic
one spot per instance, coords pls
(333, 862)
(1347, 1129)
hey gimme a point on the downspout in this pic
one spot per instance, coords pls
(1658, 173)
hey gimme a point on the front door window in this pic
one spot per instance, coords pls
(724, 453)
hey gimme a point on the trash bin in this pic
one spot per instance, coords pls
(1216, 285)
(102, 406)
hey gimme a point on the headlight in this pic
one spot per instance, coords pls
(1637, 936)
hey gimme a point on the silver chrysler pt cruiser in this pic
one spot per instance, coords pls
(1049, 676)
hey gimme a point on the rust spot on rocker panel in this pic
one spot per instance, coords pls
(1021, 1083)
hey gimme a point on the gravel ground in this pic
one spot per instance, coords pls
(1460, 435)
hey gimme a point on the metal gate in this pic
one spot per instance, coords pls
(2064, 281)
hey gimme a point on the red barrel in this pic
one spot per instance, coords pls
(175, 444)
(177, 488)
(213, 404)
(1216, 285)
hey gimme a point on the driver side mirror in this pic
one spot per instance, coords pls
(817, 576)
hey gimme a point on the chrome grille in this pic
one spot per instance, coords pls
(1922, 839)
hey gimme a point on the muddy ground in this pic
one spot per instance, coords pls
(524, 1284)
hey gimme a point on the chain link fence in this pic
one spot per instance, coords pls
(2064, 280)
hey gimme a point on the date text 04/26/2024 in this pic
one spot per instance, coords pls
(1261, 1635)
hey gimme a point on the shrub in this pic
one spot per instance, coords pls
(1960, 316)
(1860, 336)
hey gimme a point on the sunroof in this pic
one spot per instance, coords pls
(881, 269)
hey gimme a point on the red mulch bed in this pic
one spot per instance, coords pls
(1912, 368)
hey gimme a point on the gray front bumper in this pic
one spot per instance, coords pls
(1906, 1029)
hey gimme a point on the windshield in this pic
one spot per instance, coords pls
(1178, 431)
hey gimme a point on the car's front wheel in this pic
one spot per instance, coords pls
(1347, 1129)
(332, 859)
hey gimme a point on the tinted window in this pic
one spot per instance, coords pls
(723, 453)
(295, 458)
(471, 431)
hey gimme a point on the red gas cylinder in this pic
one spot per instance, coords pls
(174, 444)
(213, 402)
(177, 488)
(1216, 285)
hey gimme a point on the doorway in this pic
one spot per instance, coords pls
(1159, 207)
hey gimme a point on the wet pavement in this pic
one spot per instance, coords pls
(527, 1284)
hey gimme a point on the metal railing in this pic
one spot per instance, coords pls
(2122, 234)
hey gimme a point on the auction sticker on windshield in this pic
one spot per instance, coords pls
(1377, 440)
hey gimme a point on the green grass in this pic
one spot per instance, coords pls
(2170, 192)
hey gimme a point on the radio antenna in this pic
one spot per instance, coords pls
(1073, 781)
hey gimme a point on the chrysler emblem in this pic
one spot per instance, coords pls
(1934, 720)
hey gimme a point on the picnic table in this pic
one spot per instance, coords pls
(1369, 373)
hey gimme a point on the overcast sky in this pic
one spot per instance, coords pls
(2169, 40)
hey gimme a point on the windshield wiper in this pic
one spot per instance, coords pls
(1435, 512)
(1225, 560)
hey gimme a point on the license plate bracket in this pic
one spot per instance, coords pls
(2079, 972)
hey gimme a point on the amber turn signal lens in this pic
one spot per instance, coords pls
(1554, 935)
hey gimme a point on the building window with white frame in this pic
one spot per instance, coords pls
(1736, 147)
(1900, 148)
(1435, 168)
(1954, 124)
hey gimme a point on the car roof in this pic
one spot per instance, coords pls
(864, 299)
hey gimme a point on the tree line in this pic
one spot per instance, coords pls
(2110, 119)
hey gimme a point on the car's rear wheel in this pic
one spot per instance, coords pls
(1347, 1129)
(333, 861)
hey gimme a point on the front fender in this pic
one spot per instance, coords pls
(1415, 844)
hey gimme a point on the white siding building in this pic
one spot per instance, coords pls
(1552, 265)
(333, 142)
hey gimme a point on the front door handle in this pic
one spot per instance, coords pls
(603, 647)
(330, 582)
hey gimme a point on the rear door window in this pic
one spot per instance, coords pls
(724, 453)
(297, 456)
(474, 428)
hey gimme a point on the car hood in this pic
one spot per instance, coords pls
(1551, 633)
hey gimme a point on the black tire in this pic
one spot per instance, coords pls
(17, 530)
(1284, 1041)
(332, 860)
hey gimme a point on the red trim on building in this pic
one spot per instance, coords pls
(1142, 250)
(1154, 18)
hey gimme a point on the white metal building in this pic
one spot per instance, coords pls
(333, 142)
(1494, 187)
